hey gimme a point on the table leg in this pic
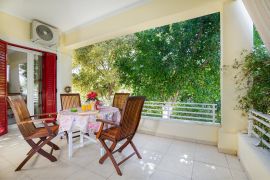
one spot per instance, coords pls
(81, 138)
(101, 151)
(70, 144)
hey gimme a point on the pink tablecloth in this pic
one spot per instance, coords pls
(87, 122)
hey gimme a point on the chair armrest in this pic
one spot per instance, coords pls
(45, 114)
(30, 121)
(40, 121)
(107, 122)
(103, 121)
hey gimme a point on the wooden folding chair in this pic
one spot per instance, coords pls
(71, 100)
(119, 100)
(30, 132)
(124, 131)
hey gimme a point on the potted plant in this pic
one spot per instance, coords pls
(93, 99)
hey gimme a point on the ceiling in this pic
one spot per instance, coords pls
(67, 14)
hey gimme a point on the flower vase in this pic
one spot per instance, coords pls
(96, 106)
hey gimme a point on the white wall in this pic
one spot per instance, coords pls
(64, 76)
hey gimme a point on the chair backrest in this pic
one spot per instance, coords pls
(21, 114)
(119, 100)
(131, 116)
(70, 100)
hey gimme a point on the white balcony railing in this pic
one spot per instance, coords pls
(199, 112)
(259, 126)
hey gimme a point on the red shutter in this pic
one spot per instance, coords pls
(49, 83)
(3, 87)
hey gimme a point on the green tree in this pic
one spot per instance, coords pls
(180, 61)
(93, 69)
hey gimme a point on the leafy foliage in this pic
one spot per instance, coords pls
(256, 71)
(257, 39)
(180, 61)
(254, 77)
(177, 62)
(93, 69)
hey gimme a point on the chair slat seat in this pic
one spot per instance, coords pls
(50, 120)
(43, 132)
(111, 133)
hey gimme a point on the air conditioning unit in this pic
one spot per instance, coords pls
(44, 34)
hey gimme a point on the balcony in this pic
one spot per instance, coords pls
(163, 158)
(177, 140)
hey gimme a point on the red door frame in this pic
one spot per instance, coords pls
(3, 88)
(49, 83)
(49, 76)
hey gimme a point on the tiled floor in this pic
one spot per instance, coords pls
(163, 159)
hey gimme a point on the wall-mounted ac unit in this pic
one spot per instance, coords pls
(44, 34)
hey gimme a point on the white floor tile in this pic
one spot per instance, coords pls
(7, 173)
(234, 163)
(177, 164)
(148, 156)
(164, 175)
(204, 171)
(16, 154)
(84, 175)
(83, 156)
(4, 163)
(182, 148)
(105, 170)
(57, 170)
(209, 154)
(158, 144)
(141, 139)
(238, 175)
(162, 158)
(132, 171)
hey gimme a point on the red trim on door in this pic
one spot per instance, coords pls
(3, 88)
(49, 83)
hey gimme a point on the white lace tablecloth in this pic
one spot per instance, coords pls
(85, 122)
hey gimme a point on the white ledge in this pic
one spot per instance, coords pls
(200, 132)
(183, 121)
(255, 160)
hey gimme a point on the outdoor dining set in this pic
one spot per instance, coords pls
(104, 125)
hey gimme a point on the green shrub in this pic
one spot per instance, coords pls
(255, 70)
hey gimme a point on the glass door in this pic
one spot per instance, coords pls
(24, 77)
(37, 98)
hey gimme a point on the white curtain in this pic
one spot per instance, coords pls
(259, 11)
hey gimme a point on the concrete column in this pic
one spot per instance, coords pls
(236, 36)
(64, 74)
